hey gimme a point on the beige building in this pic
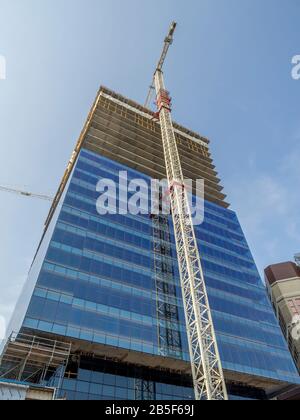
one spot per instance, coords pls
(283, 283)
(17, 391)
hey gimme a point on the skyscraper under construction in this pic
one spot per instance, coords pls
(108, 286)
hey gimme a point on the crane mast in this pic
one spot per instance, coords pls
(207, 372)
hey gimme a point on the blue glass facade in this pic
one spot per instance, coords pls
(109, 381)
(97, 283)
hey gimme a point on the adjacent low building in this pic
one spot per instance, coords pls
(19, 391)
(283, 283)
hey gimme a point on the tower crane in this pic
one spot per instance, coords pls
(207, 371)
(26, 193)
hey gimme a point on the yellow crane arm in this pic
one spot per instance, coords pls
(168, 42)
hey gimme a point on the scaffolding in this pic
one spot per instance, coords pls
(31, 359)
(169, 338)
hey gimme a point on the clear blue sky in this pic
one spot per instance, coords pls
(230, 76)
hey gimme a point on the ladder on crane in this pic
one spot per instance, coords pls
(207, 371)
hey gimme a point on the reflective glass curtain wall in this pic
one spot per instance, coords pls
(98, 284)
